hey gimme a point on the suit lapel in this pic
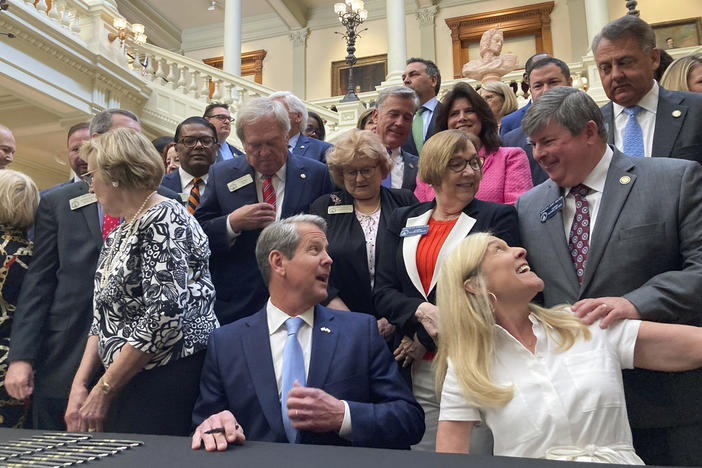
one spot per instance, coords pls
(295, 179)
(608, 115)
(257, 352)
(667, 128)
(409, 250)
(323, 347)
(91, 215)
(613, 199)
(410, 172)
(301, 146)
(460, 230)
(556, 234)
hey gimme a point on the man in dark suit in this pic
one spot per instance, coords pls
(196, 145)
(298, 143)
(514, 120)
(217, 114)
(319, 376)
(77, 134)
(246, 194)
(393, 115)
(544, 74)
(54, 309)
(424, 78)
(642, 118)
(620, 237)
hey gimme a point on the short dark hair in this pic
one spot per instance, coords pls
(551, 60)
(76, 127)
(102, 122)
(628, 26)
(322, 131)
(214, 105)
(432, 70)
(195, 120)
(161, 142)
(665, 62)
(530, 61)
(488, 133)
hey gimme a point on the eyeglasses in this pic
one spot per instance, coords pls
(311, 130)
(459, 164)
(351, 174)
(88, 177)
(191, 142)
(222, 117)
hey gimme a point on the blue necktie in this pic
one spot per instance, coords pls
(633, 136)
(293, 369)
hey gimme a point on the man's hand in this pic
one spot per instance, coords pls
(609, 309)
(250, 217)
(409, 350)
(19, 379)
(385, 328)
(428, 316)
(224, 431)
(314, 410)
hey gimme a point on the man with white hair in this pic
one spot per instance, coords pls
(298, 143)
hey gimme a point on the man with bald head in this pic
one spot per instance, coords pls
(7, 146)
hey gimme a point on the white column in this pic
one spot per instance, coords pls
(299, 72)
(426, 17)
(597, 16)
(397, 42)
(232, 37)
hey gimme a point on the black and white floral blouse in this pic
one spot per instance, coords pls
(158, 295)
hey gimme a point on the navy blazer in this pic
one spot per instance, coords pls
(311, 148)
(172, 181)
(409, 145)
(513, 120)
(240, 288)
(517, 138)
(409, 176)
(350, 279)
(678, 132)
(398, 290)
(350, 361)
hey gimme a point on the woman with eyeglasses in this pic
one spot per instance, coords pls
(356, 219)
(418, 240)
(153, 301)
(315, 126)
(506, 172)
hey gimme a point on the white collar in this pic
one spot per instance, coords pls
(276, 317)
(649, 102)
(595, 180)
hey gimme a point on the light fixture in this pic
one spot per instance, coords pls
(212, 6)
(123, 31)
(351, 14)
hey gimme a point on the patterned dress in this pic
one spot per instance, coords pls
(15, 253)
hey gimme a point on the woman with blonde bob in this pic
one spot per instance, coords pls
(153, 299)
(500, 98)
(547, 385)
(684, 74)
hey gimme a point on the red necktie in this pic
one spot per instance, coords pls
(108, 224)
(269, 191)
(194, 198)
(579, 238)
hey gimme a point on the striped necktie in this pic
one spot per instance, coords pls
(269, 191)
(194, 198)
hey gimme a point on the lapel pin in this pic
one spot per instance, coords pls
(411, 165)
(676, 113)
(325, 330)
(303, 176)
(302, 146)
(624, 180)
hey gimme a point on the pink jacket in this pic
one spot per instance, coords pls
(506, 175)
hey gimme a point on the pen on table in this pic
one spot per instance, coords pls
(216, 430)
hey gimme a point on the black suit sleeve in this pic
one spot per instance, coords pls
(319, 207)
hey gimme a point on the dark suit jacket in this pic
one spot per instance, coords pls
(514, 120)
(409, 144)
(240, 288)
(517, 138)
(172, 181)
(398, 289)
(350, 279)
(647, 248)
(54, 310)
(409, 176)
(674, 137)
(311, 148)
(351, 363)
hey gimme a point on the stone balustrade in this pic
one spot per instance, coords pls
(64, 13)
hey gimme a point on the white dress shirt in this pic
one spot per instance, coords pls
(646, 119)
(278, 334)
(571, 401)
(398, 170)
(595, 180)
(186, 182)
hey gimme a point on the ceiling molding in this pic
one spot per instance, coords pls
(254, 28)
(289, 12)
(159, 30)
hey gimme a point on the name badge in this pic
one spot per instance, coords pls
(340, 209)
(240, 182)
(83, 200)
(184, 197)
(551, 210)
(414, 230)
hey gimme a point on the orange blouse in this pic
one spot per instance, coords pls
(428, 249)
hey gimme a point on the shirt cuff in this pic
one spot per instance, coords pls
(346, 431)
(231, 235)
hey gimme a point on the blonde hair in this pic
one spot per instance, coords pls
(127, 157)
(438, 151)
(676, 75)
(19, 198)
(466, 326)
(353, 145)
(509, 99)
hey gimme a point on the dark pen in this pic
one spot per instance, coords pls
(216, 430)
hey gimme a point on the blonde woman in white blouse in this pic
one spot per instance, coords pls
(547, 385)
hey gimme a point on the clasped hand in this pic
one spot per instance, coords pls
(86, 411)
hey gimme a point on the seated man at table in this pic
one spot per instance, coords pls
(333, 383)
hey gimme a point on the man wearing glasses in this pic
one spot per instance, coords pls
(218, 115)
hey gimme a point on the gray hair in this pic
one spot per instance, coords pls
(628, 26)
(566, 106)
(284, 237)
(400, 91)
(102, 122)
(258, 108)
(294, 104)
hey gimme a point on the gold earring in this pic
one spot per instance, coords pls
(115, 184)
(492, 295)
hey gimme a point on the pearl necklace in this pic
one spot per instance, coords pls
(107, 267)
(369, 213)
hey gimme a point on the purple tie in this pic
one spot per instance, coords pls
(579, 238)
